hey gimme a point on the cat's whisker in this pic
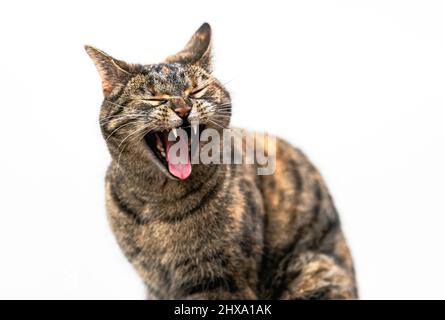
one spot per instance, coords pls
(144, 133)
(228, 81)
(223, 112)
(129, 116)
(207, 82)
(118, 123)
(113, 103)
(120, 127)
(217, 124)
(221, 116)
(126, 138)
(131, 134)
(227, 116)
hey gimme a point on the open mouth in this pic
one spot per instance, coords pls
(160, 146)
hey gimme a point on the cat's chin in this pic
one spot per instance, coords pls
(157, 146)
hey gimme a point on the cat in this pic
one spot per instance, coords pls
(211, 231)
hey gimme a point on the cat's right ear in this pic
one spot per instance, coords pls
(197, 50)
(114, 73)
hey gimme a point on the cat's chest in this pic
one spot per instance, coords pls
(186, 233)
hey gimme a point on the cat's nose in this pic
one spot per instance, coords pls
(183, 112)
(181, 108)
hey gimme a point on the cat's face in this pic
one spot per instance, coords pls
(144, 104)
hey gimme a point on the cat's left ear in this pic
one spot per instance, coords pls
(197, 50)
(114, 73)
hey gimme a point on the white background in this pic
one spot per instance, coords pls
(359, 85)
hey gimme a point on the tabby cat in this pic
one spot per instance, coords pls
(211, 231)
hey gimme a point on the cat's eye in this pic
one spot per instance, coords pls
(198, 93)
(155, 102)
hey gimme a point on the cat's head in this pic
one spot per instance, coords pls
(144, 104)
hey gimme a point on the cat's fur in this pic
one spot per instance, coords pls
(225, 232)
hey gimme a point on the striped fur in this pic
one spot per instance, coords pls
(225, 232)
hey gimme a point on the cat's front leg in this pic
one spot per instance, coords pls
(315, 275)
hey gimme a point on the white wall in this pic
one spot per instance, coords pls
(359, 85)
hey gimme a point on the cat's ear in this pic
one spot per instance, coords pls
(197, 50)
(114, 73)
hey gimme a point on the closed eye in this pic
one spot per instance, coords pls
(154, 102)
(198, 93)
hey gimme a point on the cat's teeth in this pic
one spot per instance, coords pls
(163, 153)
(159, 147)
(175, 133)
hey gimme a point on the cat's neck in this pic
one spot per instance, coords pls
(152, 184)
(155, 197)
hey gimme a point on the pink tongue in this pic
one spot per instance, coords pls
(180, 170)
